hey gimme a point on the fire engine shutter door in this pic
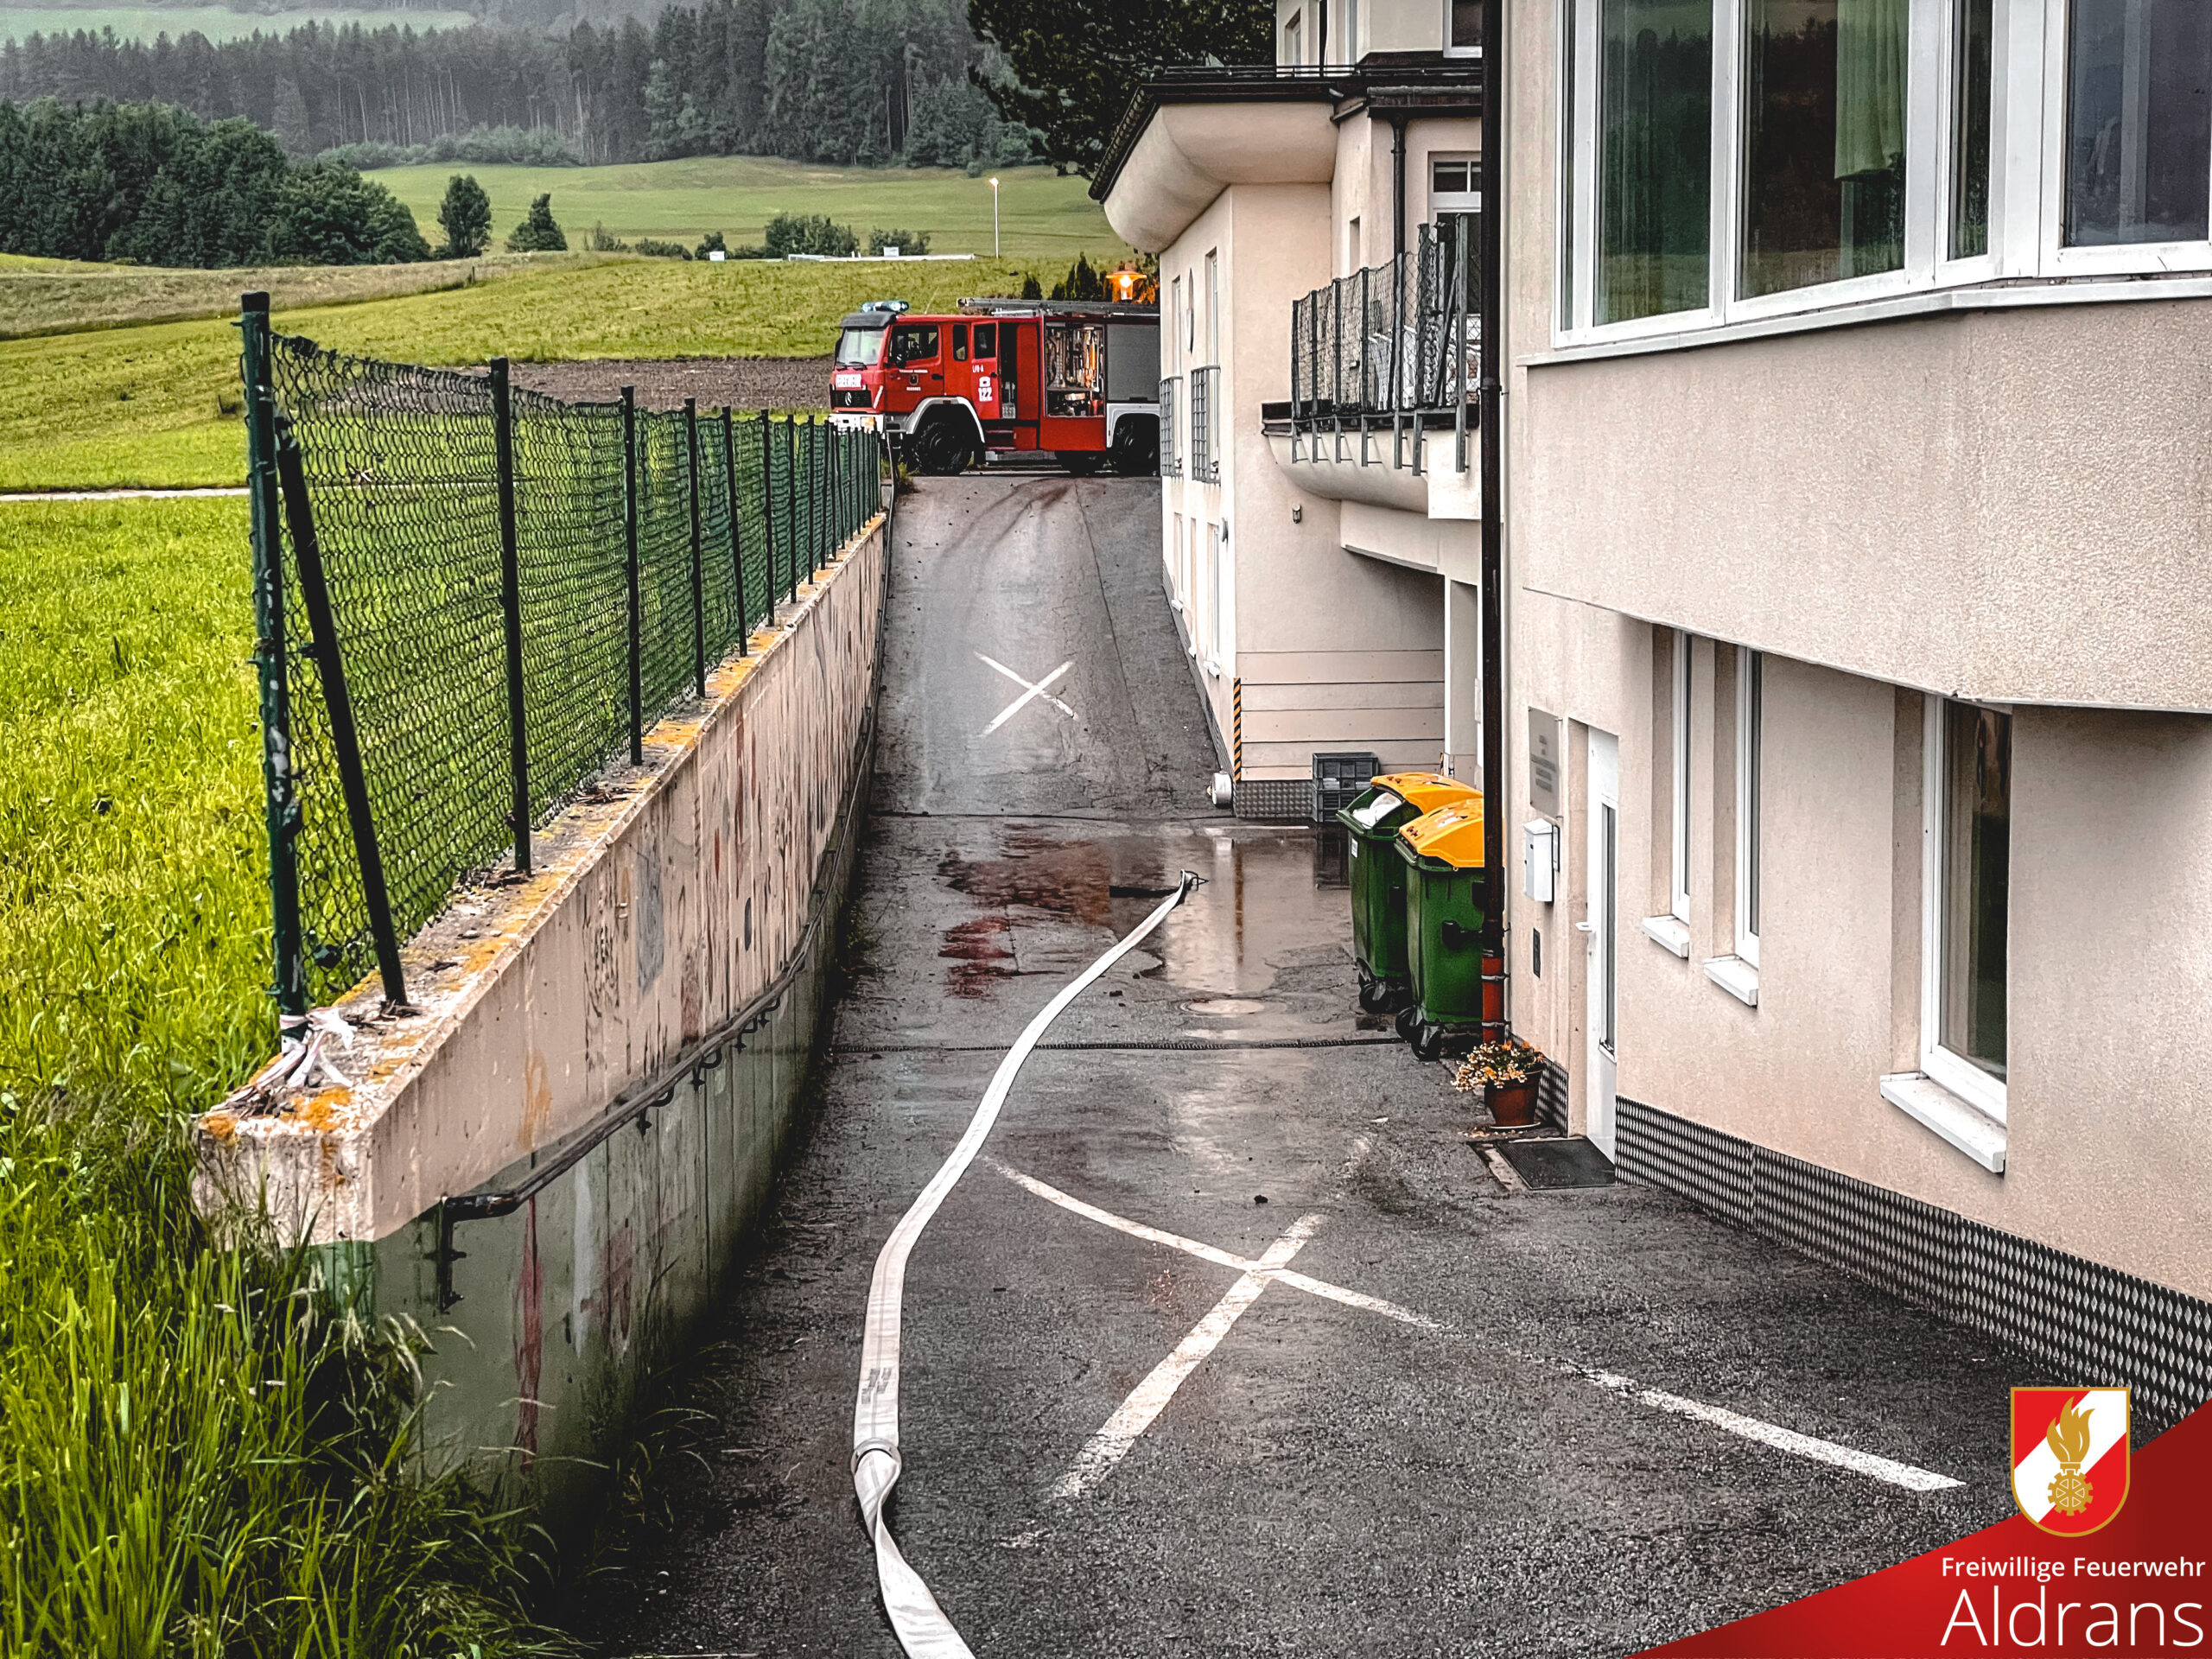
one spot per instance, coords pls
(1132, 362)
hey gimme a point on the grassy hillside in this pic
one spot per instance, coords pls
(55, 296)
(157, 404)
(1043, 217)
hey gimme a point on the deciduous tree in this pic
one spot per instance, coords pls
(1071, 65)
(465, 215)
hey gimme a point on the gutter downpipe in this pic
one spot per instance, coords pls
(1397, 184)
(1493, 479)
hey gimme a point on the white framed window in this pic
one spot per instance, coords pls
(1733, 159)
(1679, 794)
(1966, 900)
(1293, 40)
(1751, 718)
(1463, 29)
(1175, 322)
(1455, 183)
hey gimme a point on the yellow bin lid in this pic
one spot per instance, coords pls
(1425, 790)
(1453, 833)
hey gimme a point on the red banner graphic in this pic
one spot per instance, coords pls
(2131, 1574)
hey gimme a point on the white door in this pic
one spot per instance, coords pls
(1601, 927)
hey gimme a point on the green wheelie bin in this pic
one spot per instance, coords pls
(1442, 856)
(1371, 822)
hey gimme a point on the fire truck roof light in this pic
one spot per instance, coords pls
(893, 307)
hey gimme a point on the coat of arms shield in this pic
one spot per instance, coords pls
(2069, 1457)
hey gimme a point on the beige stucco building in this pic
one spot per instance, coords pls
(1859, 675)
(1319, 557)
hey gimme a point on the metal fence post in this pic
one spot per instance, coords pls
(280, 797)
(736, 539)
(790, 496)
(338, 703)
(817, 496)
(698, 553)
(768, 512)
(630, 574)
(503, 439)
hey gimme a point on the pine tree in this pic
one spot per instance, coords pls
(289, 121)
(537, 233)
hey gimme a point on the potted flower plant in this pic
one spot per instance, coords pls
(1508, 1073)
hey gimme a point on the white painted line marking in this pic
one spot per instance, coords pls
(1150, 1397)
(1750, 1428)
(1035, 688)
(1782, 1440)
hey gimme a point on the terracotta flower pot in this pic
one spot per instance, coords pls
(1511, 1104)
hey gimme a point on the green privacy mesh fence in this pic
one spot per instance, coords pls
(472, 599)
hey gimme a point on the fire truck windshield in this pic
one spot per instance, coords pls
(860, 347)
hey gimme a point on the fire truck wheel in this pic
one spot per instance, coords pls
(941, 448)
(1083, 463)
(1136, 448)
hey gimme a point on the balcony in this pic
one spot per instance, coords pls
(1384, 369)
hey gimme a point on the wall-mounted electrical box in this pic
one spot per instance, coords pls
(1539, 858)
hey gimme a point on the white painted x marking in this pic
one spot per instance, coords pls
(1150, 1397)
(1031, 689)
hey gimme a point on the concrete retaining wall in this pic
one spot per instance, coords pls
(663, 970)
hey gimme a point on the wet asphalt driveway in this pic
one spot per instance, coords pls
(1331, 1478)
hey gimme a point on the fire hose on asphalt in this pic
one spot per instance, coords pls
(922, 1628)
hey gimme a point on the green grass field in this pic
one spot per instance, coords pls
(216, 23)
(1045, 220)
(198, 1462)
(156, 405)
(59, 296)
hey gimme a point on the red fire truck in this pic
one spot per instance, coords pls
(1076, 379)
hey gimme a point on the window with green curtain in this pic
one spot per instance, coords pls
(1824, 141)
(1655, 157)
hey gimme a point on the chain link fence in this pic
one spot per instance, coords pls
(472, 600)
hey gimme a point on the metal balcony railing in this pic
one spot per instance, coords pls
(1395, 347)
(1171, 457)
(1205, 447)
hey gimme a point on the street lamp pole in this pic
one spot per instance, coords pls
(994, 219)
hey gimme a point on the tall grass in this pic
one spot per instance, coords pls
(201, 1452)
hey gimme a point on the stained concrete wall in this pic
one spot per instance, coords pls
(663, 907)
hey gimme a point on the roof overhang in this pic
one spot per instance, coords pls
(1190, 133)
(1188, 154)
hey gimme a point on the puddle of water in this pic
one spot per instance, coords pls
(1262, 908)
(978, 957)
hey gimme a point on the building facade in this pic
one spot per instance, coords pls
(1859, 660)
(1318, 536)
(1858, 516)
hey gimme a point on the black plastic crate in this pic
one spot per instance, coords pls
(1336, 778)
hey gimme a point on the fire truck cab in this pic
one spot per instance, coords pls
(1076, 379)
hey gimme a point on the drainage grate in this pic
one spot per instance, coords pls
(1547, 1166)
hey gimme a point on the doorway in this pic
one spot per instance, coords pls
(1601, 926)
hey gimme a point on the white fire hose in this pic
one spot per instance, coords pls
(922, 1627)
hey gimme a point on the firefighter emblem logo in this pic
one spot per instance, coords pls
(2069, 1457)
